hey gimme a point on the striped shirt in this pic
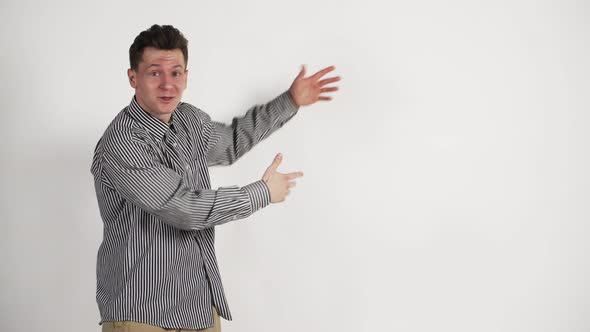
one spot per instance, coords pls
(156, 263)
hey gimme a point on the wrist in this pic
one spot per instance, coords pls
(259, 194)
(290, 94)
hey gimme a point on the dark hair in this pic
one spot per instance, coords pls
(163, 37)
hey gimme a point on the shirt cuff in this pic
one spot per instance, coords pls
(259, 195)
(285, 105)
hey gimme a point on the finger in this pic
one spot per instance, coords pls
(291, 184)
(294, 175)
(329, 80)
(301, 73)
(323, 72)
(324, 98)
(331, 89)
(276, 162)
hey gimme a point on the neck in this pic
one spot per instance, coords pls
(162, 117)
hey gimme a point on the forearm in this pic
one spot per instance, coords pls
(229, 143)
(162, 192)
(208, 208)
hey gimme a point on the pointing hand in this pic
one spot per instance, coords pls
(279, 184)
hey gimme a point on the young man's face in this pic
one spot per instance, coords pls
(159, 81)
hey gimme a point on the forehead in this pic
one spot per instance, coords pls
(155, 56)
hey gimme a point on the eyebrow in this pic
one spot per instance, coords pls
(156, 65)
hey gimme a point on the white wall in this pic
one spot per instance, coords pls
(446, 187)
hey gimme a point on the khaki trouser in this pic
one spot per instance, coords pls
(129, 326)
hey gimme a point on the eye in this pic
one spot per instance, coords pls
(154, 73)
(176, 74)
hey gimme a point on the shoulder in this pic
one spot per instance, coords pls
(123, 136)
(121, 130)
(124, 143)
(192, 114)
(117, 131)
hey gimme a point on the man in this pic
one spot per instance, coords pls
(156, 266)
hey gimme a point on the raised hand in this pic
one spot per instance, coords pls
(279, 184)
(306, 91)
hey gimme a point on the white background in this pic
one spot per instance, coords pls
(446, 187)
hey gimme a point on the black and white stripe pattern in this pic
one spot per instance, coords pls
(157, 261)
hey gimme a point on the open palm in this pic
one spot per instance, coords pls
(306, 91)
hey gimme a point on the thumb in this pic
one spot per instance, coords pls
(276, 162)
(301, 73)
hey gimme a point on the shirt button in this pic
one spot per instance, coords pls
(174, 144)
(188, 167)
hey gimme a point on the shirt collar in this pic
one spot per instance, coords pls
(153, 125)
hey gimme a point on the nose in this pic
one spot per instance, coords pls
(165, 82)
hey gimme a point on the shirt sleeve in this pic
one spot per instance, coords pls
(227, 143)
(138, 176)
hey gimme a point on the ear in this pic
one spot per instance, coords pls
(185, 77)
(132, 77)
